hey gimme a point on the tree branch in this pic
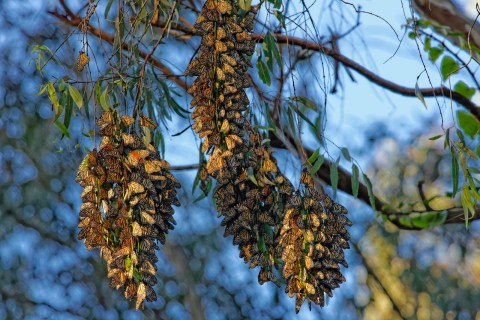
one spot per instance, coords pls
(455, 215)
(349, 63)
(384, 83)
(75, 21)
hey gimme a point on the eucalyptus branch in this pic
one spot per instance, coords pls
(454, 215)
(349, 63)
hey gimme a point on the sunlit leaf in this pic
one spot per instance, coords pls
(105, 100)
(52, 94)
(245, 4)
(76, 96)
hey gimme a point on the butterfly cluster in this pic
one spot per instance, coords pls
(127, 204)
(313, 237)
(249, 186)
(302, 232)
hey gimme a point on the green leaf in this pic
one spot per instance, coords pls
(317, 165)
(419, 95)
(446, 142)
(434, 53)
(455, 170)
(68, 110)
(346, 154)
(62, 128)
(313, 157)
(277, 4)
(435, 137)
(271, 46)
(306, 102)
(280, 17)
(245, 4)
(429, 219)
(105, 100)
(251, 176)
(467, 204)
(428, 43)
(107, 8)
(468, 123)
(448, 66)
(462, 88)
(300, 113)
(52, 94)
(334, 178)
(406, 221)
(263, 72)
(371, 196)
(203, 195)
(355, 180)
(76, 96)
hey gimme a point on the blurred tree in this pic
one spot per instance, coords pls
(412, 185)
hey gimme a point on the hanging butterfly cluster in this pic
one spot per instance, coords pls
(312, 238)
(127, 204)
(252, 196)
(249, 187)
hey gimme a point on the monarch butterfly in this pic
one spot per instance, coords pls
(241, 238)
(211, 15)
(247, 23)
(202, 26)
(153, 166)
(145, 218)
(82, 60)
(107, 130)
(224, 6)
(195, 68)
(232, 27)
(141, 294)
(151, 295)
(130, 290)
(220, 74)
(149, 279)
(247, 47)
(127, 121)
(221, 34)
(89, 194)
(147, 267)
(220, 46)
(147, 122)
(242, 36)
(208, 40)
